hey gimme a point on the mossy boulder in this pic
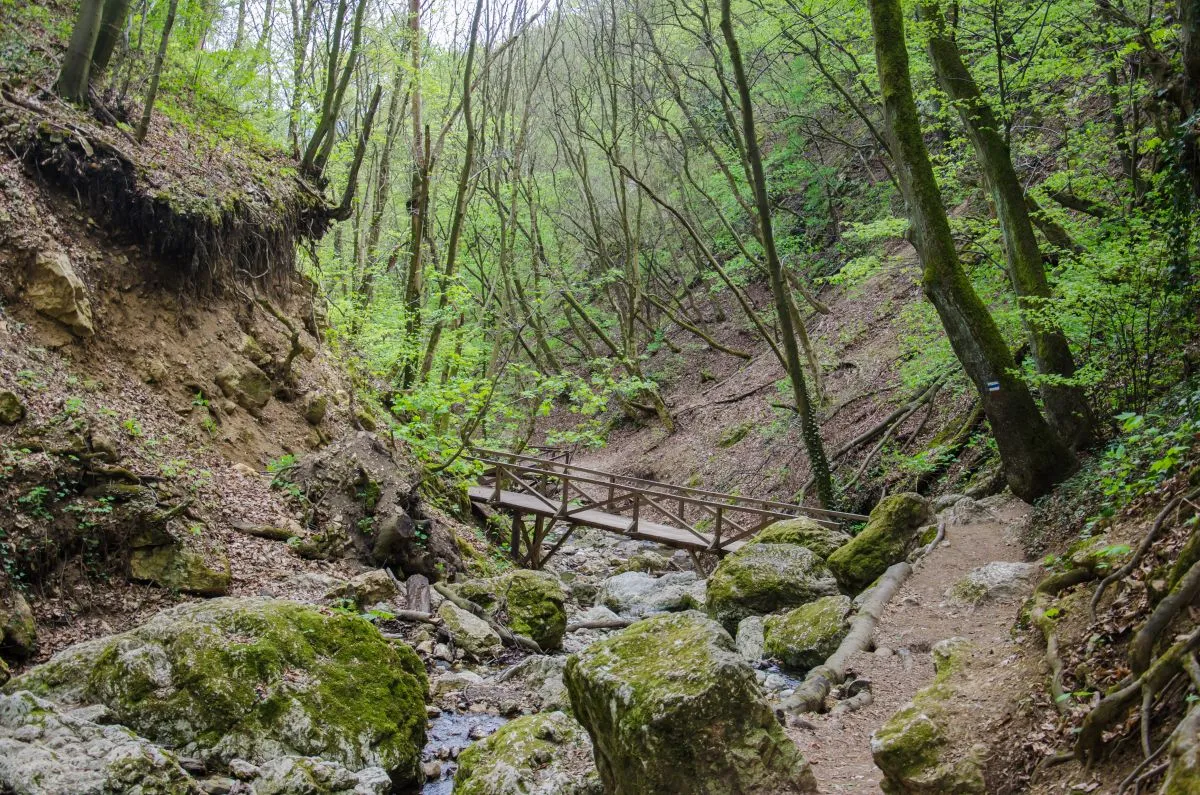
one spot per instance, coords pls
(18, 630)
(307, 775)
(316, 404)
(470, 632)
(762, 578)
(805, 637)
(180, 569)
(646, 561)
(534, 755)
(918, 749)
(530, 603)
(245, 384)
(670, 706)
(255, 679)
(821, 540)
(12, 410)
(1098, 554)
(636, 593)
(892, 532)
(367, 589)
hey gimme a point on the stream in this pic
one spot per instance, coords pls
(449, 733)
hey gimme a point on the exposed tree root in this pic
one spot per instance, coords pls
(810, 696)
(1112, 708)
(1142, 549)
(611, 623)
(1141, 648)
(1043, 595)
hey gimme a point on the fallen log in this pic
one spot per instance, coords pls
(609, 623)
(811, 695)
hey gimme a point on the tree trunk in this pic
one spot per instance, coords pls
(112, 22)
(152, 91)
(779, 287)
(1034, 458)
(1066, 406)
(72, 83)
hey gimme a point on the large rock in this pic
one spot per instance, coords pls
(45, 750)
(805, 533)
(12, 410)
(306, 775)
(635, 593)
(751, 638)
(530, 603)
(54, 289)
(367, 589)
(891, 533)
(471, 633)
(998, 581)
(180, 569)
(541, 675)
(544, 754)
(18, 630)
(256, 679)
(805, 637)
(760, 579)
(918, 750)
(245, 384)
(671, 707)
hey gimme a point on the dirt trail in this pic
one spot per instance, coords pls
(917, 617)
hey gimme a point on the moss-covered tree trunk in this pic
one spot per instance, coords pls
(809, 430)
(156, 75)
(73, 77)
(1066, 407)
(1034, 457)
(112, 22)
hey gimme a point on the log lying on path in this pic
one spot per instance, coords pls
(607, 623)
(810, 696)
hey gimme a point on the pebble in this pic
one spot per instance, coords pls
(426, 648)
(432, 769)
(883, 651)
(442, 652)
(477, 708)
(431, 711)
(477, 732)
(241, 769)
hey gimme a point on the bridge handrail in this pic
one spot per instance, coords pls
(702, 496)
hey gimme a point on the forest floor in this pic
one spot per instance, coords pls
(920, 615)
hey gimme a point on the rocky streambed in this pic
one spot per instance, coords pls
(619, 668)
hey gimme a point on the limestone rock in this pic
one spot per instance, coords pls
(255, 679)
(297, 775)
(180, 569)
(18, 630)
(315, 406)
(891, 533)
(1098, 554)
(821, 540)
(454, 682)
(246, 385)
(471, 633)
(47, 751)
(763, 578)
(998, 581)
(636, 593)
(54, 289)
(530, 603)
(12, 410)
(253, 351)
(917, 750)
(805, 637)
(751, 639)
(367, 589)
(647, 561)
(535, 755)
(671, 707)
(543, 676)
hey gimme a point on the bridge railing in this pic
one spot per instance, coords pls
(566, 491)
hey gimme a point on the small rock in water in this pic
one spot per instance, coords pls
(477, 732)
(431, 711)
(477, 708)
(425, 647)
(775, 682)
(432, 769)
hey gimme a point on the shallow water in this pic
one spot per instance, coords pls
(451, 730)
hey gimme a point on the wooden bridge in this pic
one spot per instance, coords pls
(551, 489)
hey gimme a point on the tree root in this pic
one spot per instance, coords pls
(1142, 549)
(1113, 706)
(810, 696)
(1037, 614)
(1141, 648)
(619, 623)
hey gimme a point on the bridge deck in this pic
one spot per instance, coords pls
(646, 530)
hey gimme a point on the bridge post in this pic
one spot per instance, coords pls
(717, 527)
(637, 504)
(566, 483)
(499, 483)
(514, 544)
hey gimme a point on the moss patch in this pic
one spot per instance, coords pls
(891, 533)
(822, 541)
(805, 637)
(529, 603)
(764, 578)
